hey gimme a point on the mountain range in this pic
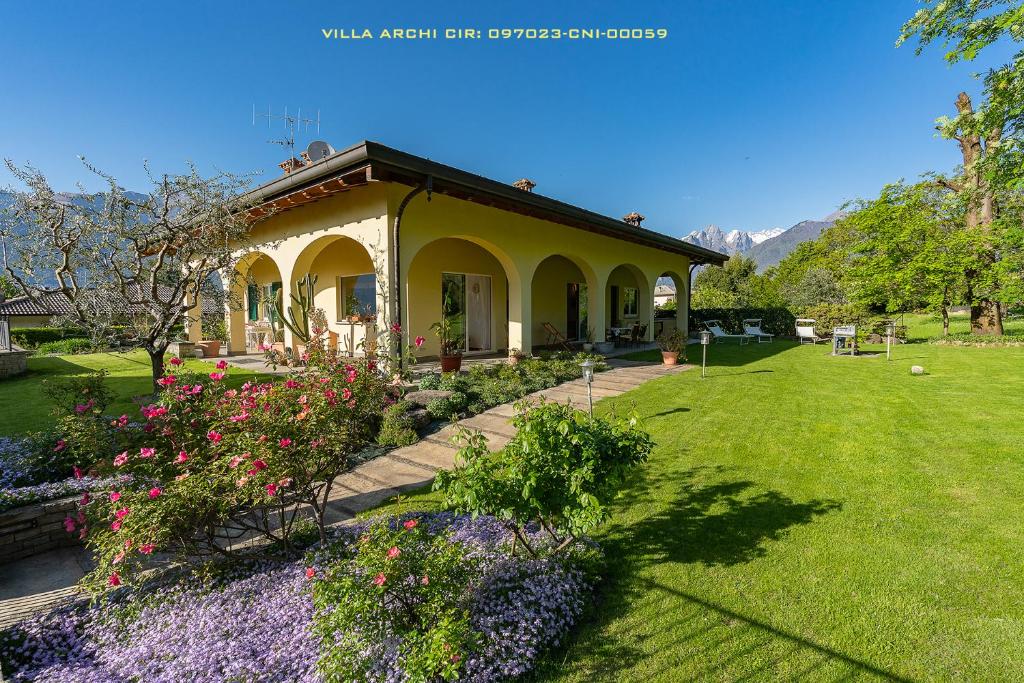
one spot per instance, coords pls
(767, 247)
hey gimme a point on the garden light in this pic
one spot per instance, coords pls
(705, 340)
(890, 332)
(588, 377)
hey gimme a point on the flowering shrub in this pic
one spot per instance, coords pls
(215, 465)
(561, 470)
(397, 600)
(256, 623)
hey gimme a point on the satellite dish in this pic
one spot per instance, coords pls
(318, 150)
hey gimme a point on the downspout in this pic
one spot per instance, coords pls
(689, 297)
(397, 260)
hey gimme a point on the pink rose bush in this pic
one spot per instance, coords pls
(214, 464)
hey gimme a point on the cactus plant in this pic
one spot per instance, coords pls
(297, 319)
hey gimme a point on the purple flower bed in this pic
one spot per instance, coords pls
(23, 495)
(255, 625)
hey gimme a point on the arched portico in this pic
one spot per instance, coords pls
(563, 289)
(250, 302)
(666, 321)
(629, 300)
(483, 287)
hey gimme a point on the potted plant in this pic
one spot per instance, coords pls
(671, 345)
(450, 339)
(514, 356)
(588, 344)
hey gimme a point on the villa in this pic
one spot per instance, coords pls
(389, 235)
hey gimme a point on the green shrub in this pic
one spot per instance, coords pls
(776, 320)
(67, 346)
(398, 427)
(32, 337)
(968, 339)
(561, 469)
(446, 408)
(431, 381)
(397, 580)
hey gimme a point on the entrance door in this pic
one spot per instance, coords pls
(466, 299)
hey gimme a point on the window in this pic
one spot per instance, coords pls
(629, 302)
(260, 301)
(357, 296)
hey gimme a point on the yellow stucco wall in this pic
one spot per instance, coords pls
(447, 234)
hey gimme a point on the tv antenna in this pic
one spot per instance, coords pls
(293, 123)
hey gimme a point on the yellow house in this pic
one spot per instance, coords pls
(389, 235)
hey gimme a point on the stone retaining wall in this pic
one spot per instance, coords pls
(36, 528)
(13, 363)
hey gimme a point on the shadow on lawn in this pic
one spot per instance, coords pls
(717, 523)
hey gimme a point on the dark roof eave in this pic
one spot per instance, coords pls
(416, 169)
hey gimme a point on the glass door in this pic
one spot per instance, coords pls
(466, 301)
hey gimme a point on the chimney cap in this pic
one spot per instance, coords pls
(633, 218)
(524, 184)
(289, 165)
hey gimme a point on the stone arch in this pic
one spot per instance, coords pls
(256, 275)
(620, 308)
(562, 288)
(665, 323)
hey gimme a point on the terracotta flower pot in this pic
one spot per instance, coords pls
(210, 347)
(670, 357)
(451, 363)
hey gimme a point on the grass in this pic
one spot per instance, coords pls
(805, 517)
(24, 408)
(925, 326)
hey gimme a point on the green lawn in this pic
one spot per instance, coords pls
(814, 518)
(925, 326)
(24, 408)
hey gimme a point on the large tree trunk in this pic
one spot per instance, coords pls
(985, 313)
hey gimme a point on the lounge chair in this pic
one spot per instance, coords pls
(805, 331)
(715, 328)
(554, 337)
(752, 326)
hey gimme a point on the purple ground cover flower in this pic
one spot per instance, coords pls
(23, 495)
(254, 624)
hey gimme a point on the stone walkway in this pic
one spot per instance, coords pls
(36, 583)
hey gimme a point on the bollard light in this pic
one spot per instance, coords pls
(588, 377)
(890, 334)
(705, 340)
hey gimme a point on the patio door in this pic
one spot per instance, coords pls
(576, 311)
(466, 299)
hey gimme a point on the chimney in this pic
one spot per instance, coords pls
(289, 165)
(524, 184)
(633, 219)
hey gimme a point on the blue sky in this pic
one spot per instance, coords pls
(751, 114)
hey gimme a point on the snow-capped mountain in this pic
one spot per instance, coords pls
(732, 242)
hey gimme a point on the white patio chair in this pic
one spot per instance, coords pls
(715, 328)
(752, 326)
(805, 331)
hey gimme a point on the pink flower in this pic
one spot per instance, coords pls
(410, 523)
(121, 459)
(213, 436)
(284, 483)
(257, 465)
(167, 381)
(285, 442)
(147, 548)
(182, 457)
(216, 376)
(234, 462)
(114, 580)
(115, 496)
(69, 525)
(271, 489)
(60, 446)
(115, 525)
(310, 572)
(393, 552)
(77, 471)
(291, 384)
(425, 580)
(155, 492)
(379, 580)
(118, 557)
(85, 499)
(346, 394)
(396, 328)
(221, 365)
(147, 452)
(122, 513)
(420, 341)
(175, 361)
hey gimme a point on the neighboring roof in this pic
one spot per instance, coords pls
(57, 304)
(664, 290)
(371, 161)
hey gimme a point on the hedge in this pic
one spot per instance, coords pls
(778, 320)
(32, 337)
